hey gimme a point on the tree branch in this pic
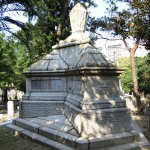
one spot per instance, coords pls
(106, 38)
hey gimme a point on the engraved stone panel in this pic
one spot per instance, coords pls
(46, 84)
(102, 86)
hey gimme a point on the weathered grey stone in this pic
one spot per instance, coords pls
(57, 119)
(136, 136)
(135, 127)
(58, 136)
(93, 123)
(40, 121)
(82, 144)
(53, 125)
(129, 146)
(111, 140)
(40, 108)
(27, 125)
(12, 129)
(73, 132)
(33, 136)
(56, 146)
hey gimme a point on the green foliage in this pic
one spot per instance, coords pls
(132, 22)
(126, 77)
(52, 25)
(33, 41)
(7, 61)
(143, 74)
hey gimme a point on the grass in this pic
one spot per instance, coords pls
(11, 142)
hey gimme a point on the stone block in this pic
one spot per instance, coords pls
(56, 146)
(93, 123)
(136, 136)
(111, 140)
(33, 136)
(57, 119)
(82, 144)
(54, 125)
(31, 109)
(129, 146)
(74, 132)
(12, 129)
(27, 125)
(58, 136)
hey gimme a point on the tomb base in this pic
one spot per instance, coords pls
(29, 109)
(95, 123)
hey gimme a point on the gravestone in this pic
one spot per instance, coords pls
(78, 81)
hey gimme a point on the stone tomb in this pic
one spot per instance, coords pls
(78, 81)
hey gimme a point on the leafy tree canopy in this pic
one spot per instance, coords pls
(143, 72)
(7, 62)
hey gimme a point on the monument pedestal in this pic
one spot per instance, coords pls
(96, 123)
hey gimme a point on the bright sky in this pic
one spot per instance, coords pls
(97, 12)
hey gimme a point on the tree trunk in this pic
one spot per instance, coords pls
(135, 82)
(133, 70)
(63, 16)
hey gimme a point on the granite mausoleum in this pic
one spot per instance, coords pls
(77, 81)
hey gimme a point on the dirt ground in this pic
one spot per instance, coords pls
(142, 122)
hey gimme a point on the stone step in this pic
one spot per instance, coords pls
(23, 127)
(128, 146)
(58, 136)
(55, 135)
(114, 139)
(34, 127)
(15, 130)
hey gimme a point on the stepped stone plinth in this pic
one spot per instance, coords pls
(78, 82)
